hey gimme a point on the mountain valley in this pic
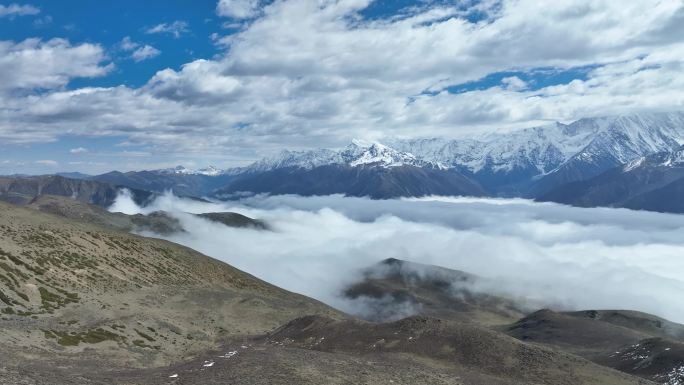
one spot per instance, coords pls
(79, 290)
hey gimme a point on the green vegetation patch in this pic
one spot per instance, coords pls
(11, 270)
(142, 344)
(92, 336)
(41, 239)
(51, 301)
(4, 298)
(143, 335)
(8, 310)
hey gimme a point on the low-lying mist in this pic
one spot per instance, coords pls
(551, 255)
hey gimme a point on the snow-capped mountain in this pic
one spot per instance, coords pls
(527, 162)
(539, 148)
(357, 153)
(545, 148)
(654, 182)
(182, 170)
(618, 141)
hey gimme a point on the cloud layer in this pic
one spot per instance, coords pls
(305, 73)
(558, 256)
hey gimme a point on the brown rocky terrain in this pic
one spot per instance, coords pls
(70, 288)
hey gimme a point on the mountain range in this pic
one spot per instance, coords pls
(528, 162)
(654, 182)
(631, 161)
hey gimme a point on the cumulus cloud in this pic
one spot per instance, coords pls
(14, 9)
(37, 64)
(237, 9)
(562, 257)
(514, 83)
(145, 52)
(310, 73)
(177, 28)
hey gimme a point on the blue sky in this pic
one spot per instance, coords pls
(92, 86)
(108, 22)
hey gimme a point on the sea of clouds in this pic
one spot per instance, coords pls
(556, 256)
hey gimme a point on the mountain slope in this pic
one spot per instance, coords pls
(632, 342)
(621, 139)
(93, 292)
(535, 160)
(159, 181)
(666, 199)
(158, 222)
(22, 190)
(606, 337)
(393, 289)
(371, 181)
(650, 183)
(480, 355)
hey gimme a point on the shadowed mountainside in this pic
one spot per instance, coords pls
(23, 190)
(159, 222)
(394, 287)
(636, 343)
(374, 182)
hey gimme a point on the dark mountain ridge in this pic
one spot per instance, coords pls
(22, 190)
(374, 182)
(654, 183)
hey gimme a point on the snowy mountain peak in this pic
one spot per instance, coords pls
(210, 171)
(357, 153)
(182, 170)
(588, 145)
(380, 155)
(302, 159)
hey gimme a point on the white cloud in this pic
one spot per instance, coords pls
(127, 44)
(34, 63)
(78, 150)
(177, 28)
(237, 9)
(145, 52)
(514, 83)
(551, 255)
(47, 162)
(13, 10)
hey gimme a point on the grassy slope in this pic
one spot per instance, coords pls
(68, 286)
